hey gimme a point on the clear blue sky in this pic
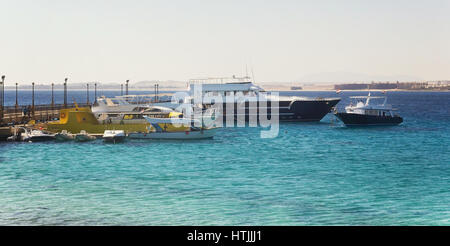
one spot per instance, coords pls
(111, 41)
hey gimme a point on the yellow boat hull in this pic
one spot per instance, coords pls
(77, 119)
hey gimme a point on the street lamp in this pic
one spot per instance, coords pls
(3, 97)
(65, 92)
(87, 93)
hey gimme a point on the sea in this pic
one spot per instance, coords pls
(311, 174)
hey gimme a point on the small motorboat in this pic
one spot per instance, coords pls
(83, 136)
(114, 136)
(64, 136)
(36, 136)
(366, 114)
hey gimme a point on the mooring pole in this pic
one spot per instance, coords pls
(65, 93)
(126, 88)
(87, 93)
(32, 99)
(157, 92)
(121, 89)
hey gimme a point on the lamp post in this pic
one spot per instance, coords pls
(87, 93)
(53, 95)
(32, 99)
(53, 99)
(17, 100)
(17, 103)
(95, 92)
(121, 89)
(2, 101)
(65, 93)
(154, 98)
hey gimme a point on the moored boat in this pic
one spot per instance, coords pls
(366, 114)
(64, 136)
(191, 134)
(114, 136)
(83, 136)
(175, 129)
(36, 136)
(79, 119)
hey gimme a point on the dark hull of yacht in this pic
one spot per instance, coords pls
(368, 120)
(296, 111)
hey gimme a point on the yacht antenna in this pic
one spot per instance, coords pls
(246, 71)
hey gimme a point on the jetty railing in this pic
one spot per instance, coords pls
(13, 115)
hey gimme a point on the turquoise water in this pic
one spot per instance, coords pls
(311, 174)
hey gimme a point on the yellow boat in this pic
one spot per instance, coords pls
(78, 119)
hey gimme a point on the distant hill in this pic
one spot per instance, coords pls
(169, 84)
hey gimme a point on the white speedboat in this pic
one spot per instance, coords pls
(114, 136)
(64, 136)
(36, 136)
(83, 136)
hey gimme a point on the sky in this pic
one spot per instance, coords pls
(45, 41)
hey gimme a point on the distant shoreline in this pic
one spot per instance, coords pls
(379, 90)
(151, 91)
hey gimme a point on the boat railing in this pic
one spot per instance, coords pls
(221, 80)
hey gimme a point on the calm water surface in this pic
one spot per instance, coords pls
(311, 174)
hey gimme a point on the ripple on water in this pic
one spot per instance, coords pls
(311, 174)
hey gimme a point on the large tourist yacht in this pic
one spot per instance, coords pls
(289, 108)
(246, 101)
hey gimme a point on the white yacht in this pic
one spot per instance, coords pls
(289, 108)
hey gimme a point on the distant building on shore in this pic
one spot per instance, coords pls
(432, 85)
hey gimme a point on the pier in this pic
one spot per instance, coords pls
(21, 114)
(13, 115)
